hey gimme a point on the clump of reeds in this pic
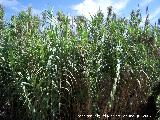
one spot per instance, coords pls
(48, 70)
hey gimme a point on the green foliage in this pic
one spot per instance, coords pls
(48, 71)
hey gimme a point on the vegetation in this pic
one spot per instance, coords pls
(52, 70)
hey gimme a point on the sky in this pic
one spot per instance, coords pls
(84, 7)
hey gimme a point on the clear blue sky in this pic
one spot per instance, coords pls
(84, 7)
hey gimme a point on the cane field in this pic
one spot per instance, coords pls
(55, 67)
